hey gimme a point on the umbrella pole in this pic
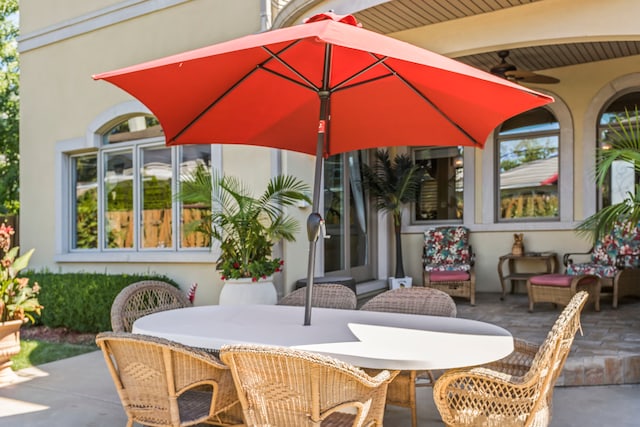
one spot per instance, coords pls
(315, 224)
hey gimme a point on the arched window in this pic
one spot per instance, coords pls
(123, 194)
(622, 178)
(527, 159)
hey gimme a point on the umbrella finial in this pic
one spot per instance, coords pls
(329, 15)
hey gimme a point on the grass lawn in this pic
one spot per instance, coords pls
(36, 352)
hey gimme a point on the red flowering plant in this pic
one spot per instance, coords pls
(18, 299)
(246, 226)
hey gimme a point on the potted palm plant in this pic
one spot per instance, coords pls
(246, 227)
(18, 300)
(623, 144)
(393, 184)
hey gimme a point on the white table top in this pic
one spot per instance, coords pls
(363, 338)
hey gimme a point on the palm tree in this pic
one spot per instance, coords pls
(624, 146)
(246, 226)
(393, 184)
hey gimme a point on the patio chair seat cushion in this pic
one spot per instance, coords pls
(557, 280)
(449, 276)
(600, 270)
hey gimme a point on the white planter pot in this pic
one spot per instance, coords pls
(400, 282)
(245, 291)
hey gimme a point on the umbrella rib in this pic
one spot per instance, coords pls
(364, 82)
(282, 76)
(289, 67)
(359, 73)
(213, 104)
(236, 84)
(428, 101)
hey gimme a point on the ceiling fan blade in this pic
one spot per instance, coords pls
(529, 77)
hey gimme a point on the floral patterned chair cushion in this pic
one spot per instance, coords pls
(447, 249)
(620, 249)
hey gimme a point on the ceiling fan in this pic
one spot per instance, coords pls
(510, 72)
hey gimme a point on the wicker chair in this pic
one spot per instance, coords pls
(615, 259)
(448, 262)
(142, 298)
(515, 391)
(327, 295)
(163, 383)
(285, 387)
(417, 300)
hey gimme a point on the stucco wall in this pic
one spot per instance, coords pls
(59, 101)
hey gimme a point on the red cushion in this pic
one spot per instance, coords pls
(561, 280)
(449, 276)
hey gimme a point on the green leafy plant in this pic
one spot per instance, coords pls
(18, 299)
(246, 226)
(81, 301)
(623, 145)
(393, 184)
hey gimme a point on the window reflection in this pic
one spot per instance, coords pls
(527, 151)
(157, 178)
(86, 202)
(118, 199)
(622, 177)
(441, 192)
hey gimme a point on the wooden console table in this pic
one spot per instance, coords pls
(550, 260)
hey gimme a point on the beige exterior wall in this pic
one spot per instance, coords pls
(60, 103)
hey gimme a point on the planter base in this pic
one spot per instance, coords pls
(244, 291)
(9, 347)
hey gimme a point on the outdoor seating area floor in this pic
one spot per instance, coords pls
(79, 392)
(607, 352)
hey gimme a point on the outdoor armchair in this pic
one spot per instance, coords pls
(448, 262)
(515, 391)
(142, 298)
(415, 300)
(284, 387)
(327, 295)
(163, 383)
(615, 259)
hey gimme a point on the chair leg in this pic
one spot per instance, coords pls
(412, 399)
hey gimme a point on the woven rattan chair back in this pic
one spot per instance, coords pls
(162, 383)
(291, 388)
(515, 391)
(415, 300)
(327, 295)
(142, 298)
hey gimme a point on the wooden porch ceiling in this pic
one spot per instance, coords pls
(399, 15)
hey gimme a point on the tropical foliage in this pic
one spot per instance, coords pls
(18, 299)
(246, 226)
(393, 184)
(623, 145)
(10, 108)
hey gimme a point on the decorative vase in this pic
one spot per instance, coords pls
(246, 291)
(9, 347)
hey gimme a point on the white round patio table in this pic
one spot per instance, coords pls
(363, 338)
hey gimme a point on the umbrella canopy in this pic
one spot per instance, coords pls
(322, 88)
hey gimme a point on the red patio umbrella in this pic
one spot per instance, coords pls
(322, 88)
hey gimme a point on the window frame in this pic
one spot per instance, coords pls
(91, 144)
(413, 206)
(497, 191)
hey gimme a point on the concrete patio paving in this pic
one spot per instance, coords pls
(79, 391)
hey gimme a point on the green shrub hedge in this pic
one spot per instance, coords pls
(81, 301)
